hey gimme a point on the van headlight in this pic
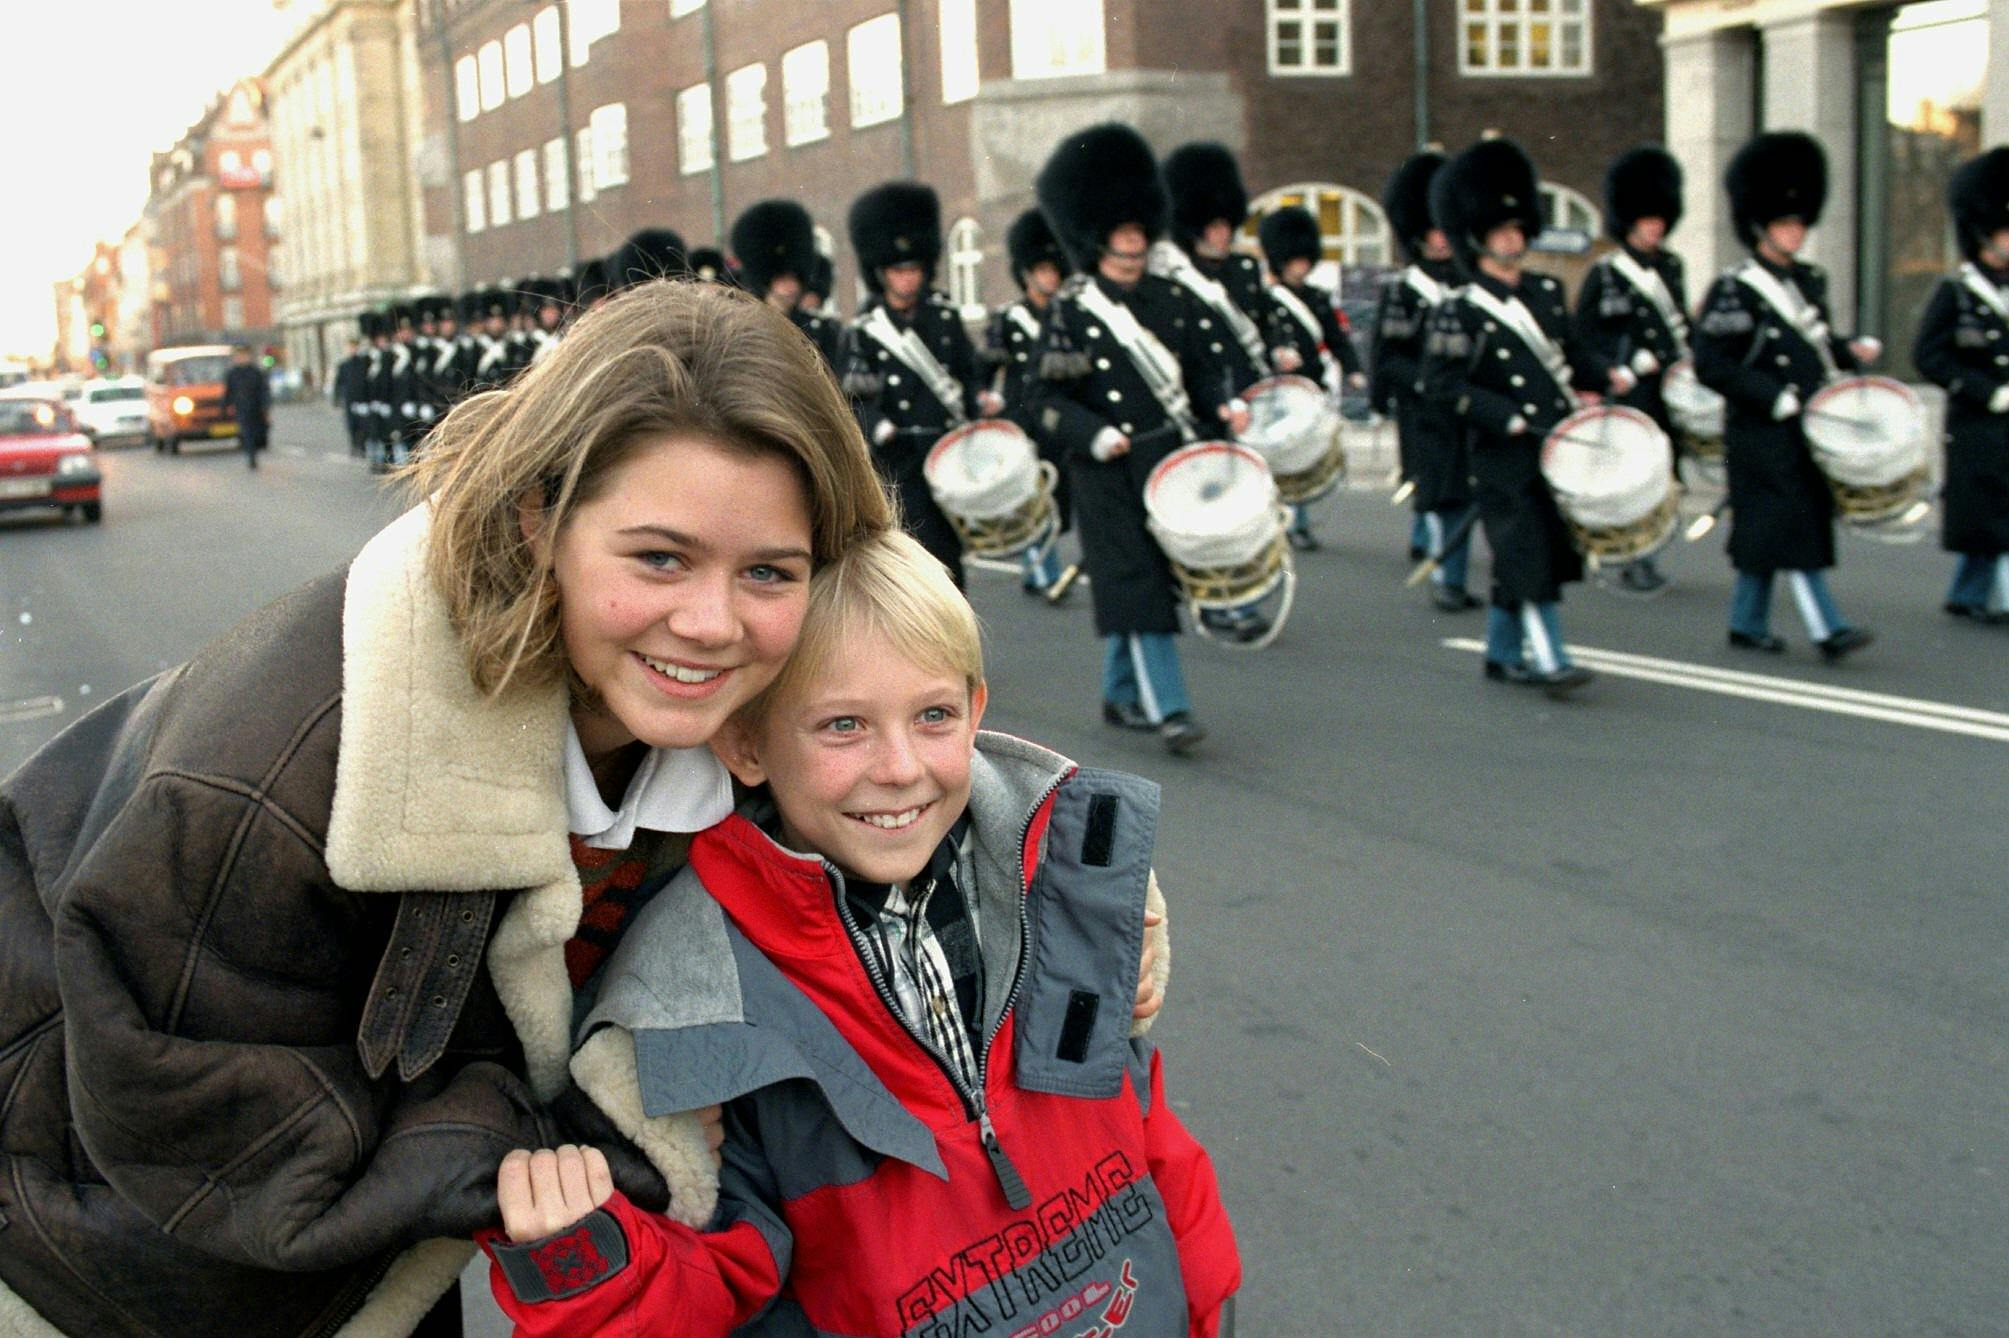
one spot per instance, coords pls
(183, 404)
(73, 464)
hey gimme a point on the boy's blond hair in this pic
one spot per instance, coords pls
(884, 584)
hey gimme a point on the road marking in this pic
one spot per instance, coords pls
(1914, 711)
(29, 708)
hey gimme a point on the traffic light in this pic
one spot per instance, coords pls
(97, 329)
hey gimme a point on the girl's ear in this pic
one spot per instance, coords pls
(530, 516)
(734, 746)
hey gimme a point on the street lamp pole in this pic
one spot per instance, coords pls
(564, 14)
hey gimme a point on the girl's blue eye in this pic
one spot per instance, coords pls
(766, 574)
(661, 561)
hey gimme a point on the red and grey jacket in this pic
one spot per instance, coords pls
(866, 1189)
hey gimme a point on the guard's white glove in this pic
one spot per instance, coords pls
(1867, 348)
(1516, 425)
(884, 432)
(1286, 359)
(409, 409)
(1358, 381)
(1785, 406)
(1999, 401)
(1644, 363)
(989, 403)
(1622, 381)
(1108, 444)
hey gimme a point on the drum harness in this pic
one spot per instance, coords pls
(1990, 295)
(1168, 261)
(913, 351)
(1154, 362)
(1022, 317)
(1800, 315)
(1649, 285)
(1516, 317)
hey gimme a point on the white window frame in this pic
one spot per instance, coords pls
(475, 189)
(590, 20)
(499, 215)
(557, 181)
(965, 254)
(489, 58)
(518, 77)
(609, 124)
(805, 93)
(229, 269)
(526, 184)
(1362, 235)
(957, 27)
(1564, 207)
(694, 129)
(746, 113)
(582, 154)
(1058, 39)
(1306, 14)
(1493, 21)
(466, 89)
(549, 53)
(877, 96)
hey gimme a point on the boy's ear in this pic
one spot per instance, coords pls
(980, 697)
(733, 745)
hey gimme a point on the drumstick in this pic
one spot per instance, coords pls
(1849, 418)
(1403, 493)
(1425, 568)
(1702, 524)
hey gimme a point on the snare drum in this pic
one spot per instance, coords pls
(1867, 434)
(1610, 470)
(1697, 410)
(1294, 427)
(1214, 509)
(990, 482)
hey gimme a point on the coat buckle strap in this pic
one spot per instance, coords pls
(422, 980)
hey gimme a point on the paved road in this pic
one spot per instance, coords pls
(1679, 1009)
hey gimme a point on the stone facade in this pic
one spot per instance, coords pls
(206, 211)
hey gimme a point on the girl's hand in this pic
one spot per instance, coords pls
(542, 1193)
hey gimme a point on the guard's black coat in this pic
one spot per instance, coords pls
(1617, 321)
(1781, 506)
(1488, 376)
(1012, 345)
(1963, 345)
(1433, 451)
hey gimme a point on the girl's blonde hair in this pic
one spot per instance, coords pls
(889, 586)
(668, 358)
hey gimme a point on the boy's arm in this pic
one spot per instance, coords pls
(1209, 1259)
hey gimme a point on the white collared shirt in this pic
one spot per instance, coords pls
(673, 790)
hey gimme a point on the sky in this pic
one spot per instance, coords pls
(93, 88)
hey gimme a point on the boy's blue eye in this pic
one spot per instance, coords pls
(937, 715)
(843, 724)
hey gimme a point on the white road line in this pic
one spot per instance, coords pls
(1912, 711)
(29, 708)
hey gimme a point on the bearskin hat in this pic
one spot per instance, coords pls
(773, 238)
(1205, 183)
(1780, 174)
(896, 223)
(1978, 195)
(823, 278)
(1489, 184)
(708, 262)
(1641, 183)
(1094, 182)
(478, 304)
(589, 281)
(402, 316)
(370, 324)
(1030, 241)
(1290, 233)
(1406, 200)
(652, 253)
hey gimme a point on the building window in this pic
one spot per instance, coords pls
(873, 51)
(557, 190)
(959, 49)
(490, 58)
(233, 313)
(746, 112)
(498, 193)
(227, 271)
(516, 60)
(526, 184)
(1524, 36)
(226, 217)
(1054, 39)
(1352, 229)
(476, 202)
(694, 129)
(274, 208)
(1310, 37)
(544, 36)
(609, 125)
(966, 267)
(591, 20)
(582, 154)
(466, 89)
(1569, 209)
(805, 93)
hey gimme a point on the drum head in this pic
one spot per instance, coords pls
(1694, 407)
(983, 469)
(1212, 504)
(1866, 431)
(1608, 465)
(1291, 422)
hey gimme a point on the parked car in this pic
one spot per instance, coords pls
(110, 411)
(184, 395)
(45, 460)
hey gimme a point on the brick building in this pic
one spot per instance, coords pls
(567, 126)
(211, 227)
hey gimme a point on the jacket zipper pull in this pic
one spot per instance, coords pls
(1009, 1181)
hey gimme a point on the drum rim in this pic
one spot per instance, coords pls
(1855, 381)
(1594, 411)
(1194, 450)
(956, 434)
(1283, 379)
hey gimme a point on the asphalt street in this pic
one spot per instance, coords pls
(1679, 1008)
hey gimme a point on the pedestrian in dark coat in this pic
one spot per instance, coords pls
(1765, 344)
(350, 395)
(248, 395)
(1963, 345)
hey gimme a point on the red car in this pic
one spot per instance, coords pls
(46, 460)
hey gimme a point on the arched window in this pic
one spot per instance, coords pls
(1572, 221)
(966, 267)
(1354, 229)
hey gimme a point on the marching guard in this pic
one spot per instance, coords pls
(1012, 344)
(589, 286)
(816, 293)
(1430, 443)
(1132, 365)
(774, 254)
(1306, 321)
(1502, 355)
(349, 392)
(486, 313)
(544, 301)
(1633, 305)
(1765, 344)
(911, 369)
(436, 383)
(651, 253)
(1963, 345)
(709, 263)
